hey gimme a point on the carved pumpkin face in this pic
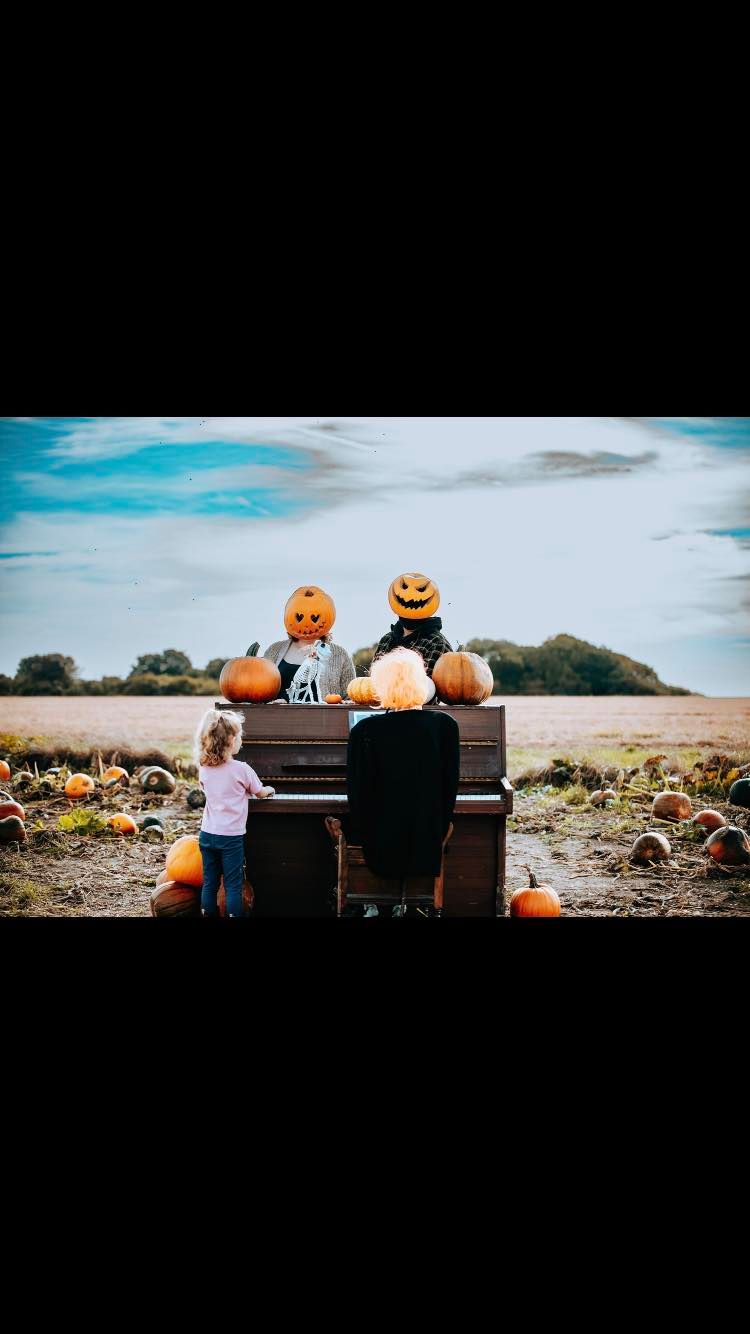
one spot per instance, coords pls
(309, 613)
(414, 597)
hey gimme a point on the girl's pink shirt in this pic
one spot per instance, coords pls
(227, 788)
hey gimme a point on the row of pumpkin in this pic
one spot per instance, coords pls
(460, 679)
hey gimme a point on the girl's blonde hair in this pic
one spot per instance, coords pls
(400, 679)
(217, 737)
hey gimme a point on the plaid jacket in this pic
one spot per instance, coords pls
(430, 643)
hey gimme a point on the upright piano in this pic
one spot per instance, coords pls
(300, 750)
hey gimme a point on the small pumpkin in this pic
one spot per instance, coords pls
(334, 699)
(650, 847)
(309, 614)
(463, 679)
(250, 681)
(710, 820)
(79, 786)
(535, 900)
(739, 793)
(10, 807)
(171, 899)
(150, 821)
(414, 597)
(602, 796)
(671, 806)
(158, 780)
(4, 771)
(12, 830)
(362, 691)
(119, 774)
(729, 847)
(184, 861)
(196, 798)
(123, 824)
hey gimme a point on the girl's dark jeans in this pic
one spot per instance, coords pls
(222, 855)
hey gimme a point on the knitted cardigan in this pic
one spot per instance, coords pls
(335, 673)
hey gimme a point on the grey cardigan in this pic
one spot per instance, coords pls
(335, 673)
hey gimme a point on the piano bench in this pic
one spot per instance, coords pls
(358, 884)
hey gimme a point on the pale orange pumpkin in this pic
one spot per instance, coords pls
(123, 824)
(114, 772)
(79, 786)
(362, 691)
(710, 820)
(602, 796)
(463, 679)
(309, 614)
(334, 699)
(535, 900)
(671, 806)
(8, 808)
(184, 861)
(171, 899)
(650, 847)
(4, 771)
(250, 681)
(414, 597)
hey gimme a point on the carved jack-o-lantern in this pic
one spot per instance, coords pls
(414, 597)
(309, 613)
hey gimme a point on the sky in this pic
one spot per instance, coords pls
(126, 535)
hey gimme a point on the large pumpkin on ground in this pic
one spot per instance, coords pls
(309, 614)
(739, 793)
(650, 847)
(729, 847)
(362, 691)
(535, 900)
(8, 808)
(12, 830)
(710, 821)
(79, 786)
(184, 862)
(4, 771)
(171, 899)
(671, 806)
(414, 597)
(250, 681)
(463, 678)
(158, 780)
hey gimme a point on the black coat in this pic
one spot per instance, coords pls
(402, 781)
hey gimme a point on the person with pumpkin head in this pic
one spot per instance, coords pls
(311, 665)
(415, 600)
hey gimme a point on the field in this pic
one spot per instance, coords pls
(582, 851)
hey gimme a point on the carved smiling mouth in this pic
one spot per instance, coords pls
(413, 605)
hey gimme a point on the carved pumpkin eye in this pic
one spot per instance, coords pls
(300, 617)
(422, 590)
(315, 619)
(405, 586)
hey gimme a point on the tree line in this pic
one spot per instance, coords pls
(562, 665)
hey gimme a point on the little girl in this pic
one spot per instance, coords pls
(227, 784)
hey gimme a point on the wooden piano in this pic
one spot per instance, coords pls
(300, 750)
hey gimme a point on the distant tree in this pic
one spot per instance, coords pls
(169, 663)
(362, 659)
(215, 667)
(45, 674)
(7, 686)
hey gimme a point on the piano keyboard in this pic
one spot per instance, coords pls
(334, 796)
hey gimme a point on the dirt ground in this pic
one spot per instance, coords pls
(580, 850)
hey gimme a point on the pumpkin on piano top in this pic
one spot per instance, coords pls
(463, 678)
(362, 691)
(250, 680)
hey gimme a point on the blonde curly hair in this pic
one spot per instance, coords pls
(218, 738)
(400, 679)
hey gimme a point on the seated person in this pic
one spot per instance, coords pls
(311, 665)
(415, 599)
(402, 774)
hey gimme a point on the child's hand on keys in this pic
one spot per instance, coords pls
(266, 792)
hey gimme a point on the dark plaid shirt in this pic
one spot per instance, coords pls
(428, 641)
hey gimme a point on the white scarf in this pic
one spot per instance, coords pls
(302, 689)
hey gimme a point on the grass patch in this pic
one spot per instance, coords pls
(18, 896)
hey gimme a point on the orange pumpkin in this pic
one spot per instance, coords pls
(671, 806)
(334, 699)
(535, 900)
(11, 808)
(729, 847)
(250, 681)
(309, 614)
(602, 796)
(171, 899)
(12, 830)
(414, 597)
(79, 786)
(463, 678)
(123, 824)
(650, 848)
(4, 771)
(114, 772)
(184, 861)
(362, 691)
(710, 820)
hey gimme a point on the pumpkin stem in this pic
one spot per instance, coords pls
(252, 652)
(533, 882)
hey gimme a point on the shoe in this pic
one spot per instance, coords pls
(371, 910)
